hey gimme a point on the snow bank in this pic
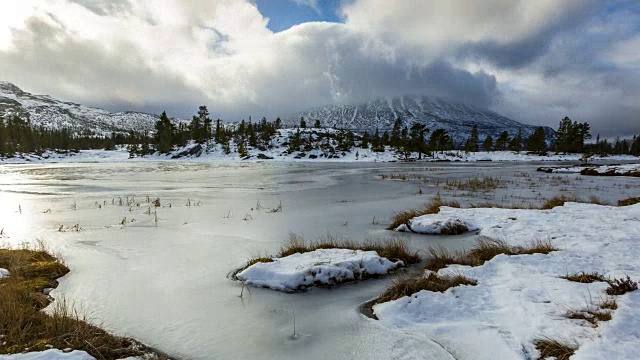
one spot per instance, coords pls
(4, 273)
(319, 267)
(52, 354)
(611, 170)
(427, 224)
(522, 298)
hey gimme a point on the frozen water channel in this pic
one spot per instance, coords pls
(165, 284)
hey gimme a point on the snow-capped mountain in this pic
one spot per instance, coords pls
(46, 111)
(457, 119)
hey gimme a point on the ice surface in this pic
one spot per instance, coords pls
(167, 285)
(324, 266)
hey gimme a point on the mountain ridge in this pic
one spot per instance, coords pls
(49, 112)
(456, 118)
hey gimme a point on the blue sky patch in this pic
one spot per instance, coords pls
(284, 14)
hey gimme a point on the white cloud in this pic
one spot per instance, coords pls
(173, 54)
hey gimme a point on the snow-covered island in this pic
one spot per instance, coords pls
(319, 267)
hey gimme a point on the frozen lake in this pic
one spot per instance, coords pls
(166, 284)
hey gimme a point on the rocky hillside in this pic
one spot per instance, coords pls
(456, 118)
(46, 111)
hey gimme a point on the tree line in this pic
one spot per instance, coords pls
(17, 135)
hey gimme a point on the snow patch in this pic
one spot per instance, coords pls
(319, 267)
(433, 225)
(4, 273)
(52, 354)
(519, 299)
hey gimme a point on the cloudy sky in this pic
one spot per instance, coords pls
(535, 61)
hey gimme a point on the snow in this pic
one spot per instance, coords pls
(519, 299)
(325, 266)
(599, 169)
(215, 153)
(4, 273)
(51, 354)
(428, 225)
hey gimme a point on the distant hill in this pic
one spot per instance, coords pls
(46, 111)
(456, 118)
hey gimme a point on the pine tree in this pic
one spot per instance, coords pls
(473, 141)
(537, 141)
(365, 140)
(317, 124)
(502, 141)
(487, 145)
(303, 124)
(516, 143)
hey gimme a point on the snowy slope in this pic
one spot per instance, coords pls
(457, 119)
(52, 113)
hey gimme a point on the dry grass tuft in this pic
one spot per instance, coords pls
(621, 286)
(476, 184)
(393, 249)
(629, 201)
(406, 286)
(23, 324)
(554, 349)
(558, 200)
(586, 278)
(610, 304)
(433, 207)
(485, 250)
(591, 315)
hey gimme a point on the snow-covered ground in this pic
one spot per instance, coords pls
(596, 169)
(51, 354)
(519, 299)
(319, 267)
(278, 154)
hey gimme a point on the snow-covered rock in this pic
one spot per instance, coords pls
(434, 225)
(319, 267)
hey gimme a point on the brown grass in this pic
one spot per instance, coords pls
(406, 286)
(591, 315)
(558, 200)
(610, 304)
(433, 207)
(476, 184)
(25, 326)
(549, 348)
(485, 250)
(621, 286)
(393, 249)
(585, 277)
(629, 201)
